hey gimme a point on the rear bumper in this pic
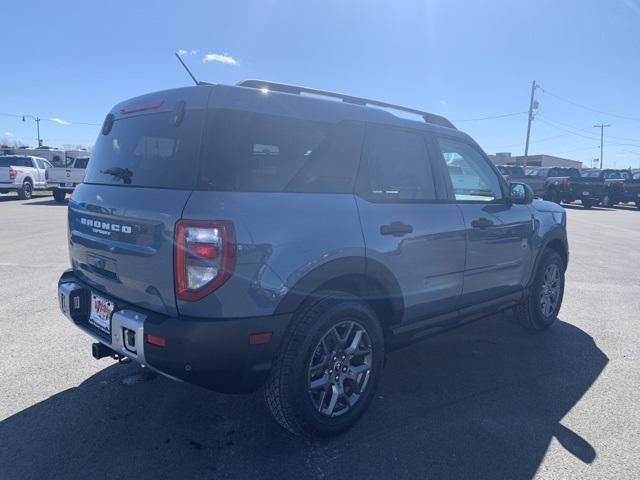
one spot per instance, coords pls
(570, 196)
(212, 353)
(61, 186)
(9, 186)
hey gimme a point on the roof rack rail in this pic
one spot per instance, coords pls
(297, 90)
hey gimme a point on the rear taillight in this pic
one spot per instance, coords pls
(12, 174)
(205, 257)
(46, 174)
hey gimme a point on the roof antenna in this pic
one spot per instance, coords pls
(187, 69)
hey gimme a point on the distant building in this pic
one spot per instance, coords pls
(505, 158)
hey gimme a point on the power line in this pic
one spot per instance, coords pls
(489, 118)
(585, 107)
(15, 115)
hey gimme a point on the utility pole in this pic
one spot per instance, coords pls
(602, 126)
(532, 102)
(37, 120)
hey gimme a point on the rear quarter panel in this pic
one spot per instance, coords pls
(281, 237)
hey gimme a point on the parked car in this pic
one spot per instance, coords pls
(612, 182)
(539, 179)
(511, 172)
(244, 236)
(630, 188)
(23, 174)
(62, 180)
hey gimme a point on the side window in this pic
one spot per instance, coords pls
(40, 164)
(397, 166)
(472, 177)
(255, 152)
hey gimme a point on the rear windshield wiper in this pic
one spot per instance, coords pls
(123, 174)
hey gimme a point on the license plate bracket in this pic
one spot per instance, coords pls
(101, 311)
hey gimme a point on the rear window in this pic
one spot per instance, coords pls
(16, 162)
(81, 163)
(254, 152)
(148, 151)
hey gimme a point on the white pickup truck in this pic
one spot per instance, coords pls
(62, 180)
(23, 174)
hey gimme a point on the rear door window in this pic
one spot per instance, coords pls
(397, 166)
(148, 151)
(255, 152)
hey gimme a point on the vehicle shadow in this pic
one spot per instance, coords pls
(47, 201)
(577, 206)
(12, 197)
(483, 401)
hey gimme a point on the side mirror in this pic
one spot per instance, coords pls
(520, 193)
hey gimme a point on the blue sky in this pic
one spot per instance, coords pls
(72, 60)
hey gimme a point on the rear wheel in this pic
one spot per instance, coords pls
(59, 195)
(553, 196)
(26, 191)
(327, 370)
(540, 310)
(587, 203)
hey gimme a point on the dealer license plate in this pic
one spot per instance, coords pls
(101, 310)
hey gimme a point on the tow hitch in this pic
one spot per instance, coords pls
(99, 350)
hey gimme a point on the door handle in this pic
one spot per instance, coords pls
(397, 229)
(482, 223)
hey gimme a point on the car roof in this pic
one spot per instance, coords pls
(250, 98)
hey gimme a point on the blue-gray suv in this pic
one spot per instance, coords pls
(268, 235)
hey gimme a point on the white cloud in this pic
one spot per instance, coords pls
(443, 102)
(182, 52)
(8, 134)
(59, 121)
(219, 57)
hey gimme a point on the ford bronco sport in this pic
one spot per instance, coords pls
(267, 235)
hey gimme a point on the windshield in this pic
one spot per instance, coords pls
(147, 151)
(591, 174)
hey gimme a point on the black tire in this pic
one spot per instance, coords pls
(287, 391)
(587, 204)
(552, 196)
(26, 192)
(59, 195)
(530, 313)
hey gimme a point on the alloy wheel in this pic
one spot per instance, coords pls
(550, 290)
(340, 368)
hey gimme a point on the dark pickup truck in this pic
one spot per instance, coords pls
(510, 172)
(539, 178)
(591, 187)
(629, 191)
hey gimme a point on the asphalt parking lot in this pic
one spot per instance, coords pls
(489, 400)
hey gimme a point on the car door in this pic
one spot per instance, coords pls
(498, 233)
(407, 230)
(40, 180)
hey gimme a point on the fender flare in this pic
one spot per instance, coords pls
(379, 285)
(557, 235)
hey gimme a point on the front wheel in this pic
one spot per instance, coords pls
(26, 191)
(326, 373)
(59, 195)
(540, 309)
(587, 204)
